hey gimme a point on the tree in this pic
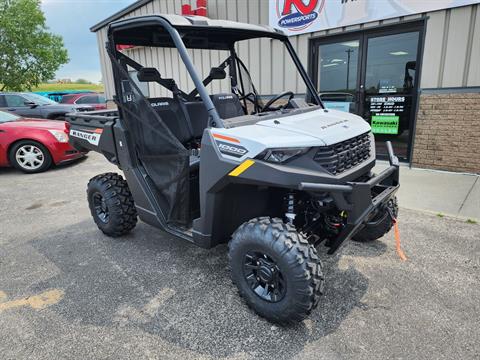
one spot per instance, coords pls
(29, 53)
(82, 81)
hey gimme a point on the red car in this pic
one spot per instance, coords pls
(33, 145)
(92, 99)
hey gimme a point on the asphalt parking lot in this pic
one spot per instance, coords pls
(68, 291)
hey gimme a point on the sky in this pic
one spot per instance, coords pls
(72, 20)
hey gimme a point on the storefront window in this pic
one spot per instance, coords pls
(384, 91)
(391, 63)
(338, 66)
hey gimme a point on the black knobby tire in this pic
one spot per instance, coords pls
(380, 225)
(25, 144)
(111, 204)
(296, 260)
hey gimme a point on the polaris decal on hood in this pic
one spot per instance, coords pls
(92, 138)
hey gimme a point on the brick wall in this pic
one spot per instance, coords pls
(448, 132)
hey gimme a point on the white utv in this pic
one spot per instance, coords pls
(272, 179)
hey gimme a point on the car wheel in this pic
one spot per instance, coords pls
(30, 157)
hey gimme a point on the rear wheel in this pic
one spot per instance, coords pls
(380, 224)
(30, 156)
(276, 270)
(111, 204)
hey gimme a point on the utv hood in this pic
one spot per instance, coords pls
(330, 127)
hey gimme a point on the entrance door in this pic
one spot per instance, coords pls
(338, 74)
(372, 74)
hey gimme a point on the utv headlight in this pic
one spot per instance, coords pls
(59, 135)
(281, 155)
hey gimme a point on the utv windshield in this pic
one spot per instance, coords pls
(222, 55)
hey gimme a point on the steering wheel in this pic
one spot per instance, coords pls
(251, 97)
(268, 105)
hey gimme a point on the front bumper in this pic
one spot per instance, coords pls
(64, 153)
(357, 200)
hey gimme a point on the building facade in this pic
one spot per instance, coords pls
(414, 77)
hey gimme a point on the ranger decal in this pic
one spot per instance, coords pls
(92, 138)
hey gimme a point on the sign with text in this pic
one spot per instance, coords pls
(382, 124)
(296, 17)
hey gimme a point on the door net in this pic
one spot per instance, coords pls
(162, 155)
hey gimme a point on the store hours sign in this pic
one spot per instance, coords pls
(296, 17)
(387, 112)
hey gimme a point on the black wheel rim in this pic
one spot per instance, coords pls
(264, 276)
(100, 206)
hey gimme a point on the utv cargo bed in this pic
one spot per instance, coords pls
(87, 130)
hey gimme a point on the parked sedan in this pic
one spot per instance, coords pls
(37, 106)
(33, 145)
(91, 99)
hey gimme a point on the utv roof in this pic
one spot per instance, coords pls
(197, 32)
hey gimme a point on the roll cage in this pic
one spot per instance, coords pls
(193, 32)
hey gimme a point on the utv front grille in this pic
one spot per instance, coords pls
(344, 155)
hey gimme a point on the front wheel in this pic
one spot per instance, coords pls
(379, 225)
(111, 204)
(276, 270)
(30, 157)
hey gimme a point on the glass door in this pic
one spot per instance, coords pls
(374, 74)
(388, 89)
(338, 65)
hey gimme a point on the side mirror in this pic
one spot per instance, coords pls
(148, 75)
(30, 104)
(217, 73)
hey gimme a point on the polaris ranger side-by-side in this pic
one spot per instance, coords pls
(272, 179)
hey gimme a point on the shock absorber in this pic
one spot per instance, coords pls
(290, 206)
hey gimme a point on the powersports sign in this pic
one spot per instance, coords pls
(296, 17)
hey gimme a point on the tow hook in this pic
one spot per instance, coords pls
(392, 215)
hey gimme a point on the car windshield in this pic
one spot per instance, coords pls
(6, 117)
(40, 100)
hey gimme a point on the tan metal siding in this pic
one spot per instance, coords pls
(456, 47)
(451, 52)
(433, 49)
(473, 74)
(452, 49)
(105, 65)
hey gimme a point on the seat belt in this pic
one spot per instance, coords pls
(177, 94)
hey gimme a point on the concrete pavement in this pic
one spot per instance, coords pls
(69, 292)
(438, 192)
